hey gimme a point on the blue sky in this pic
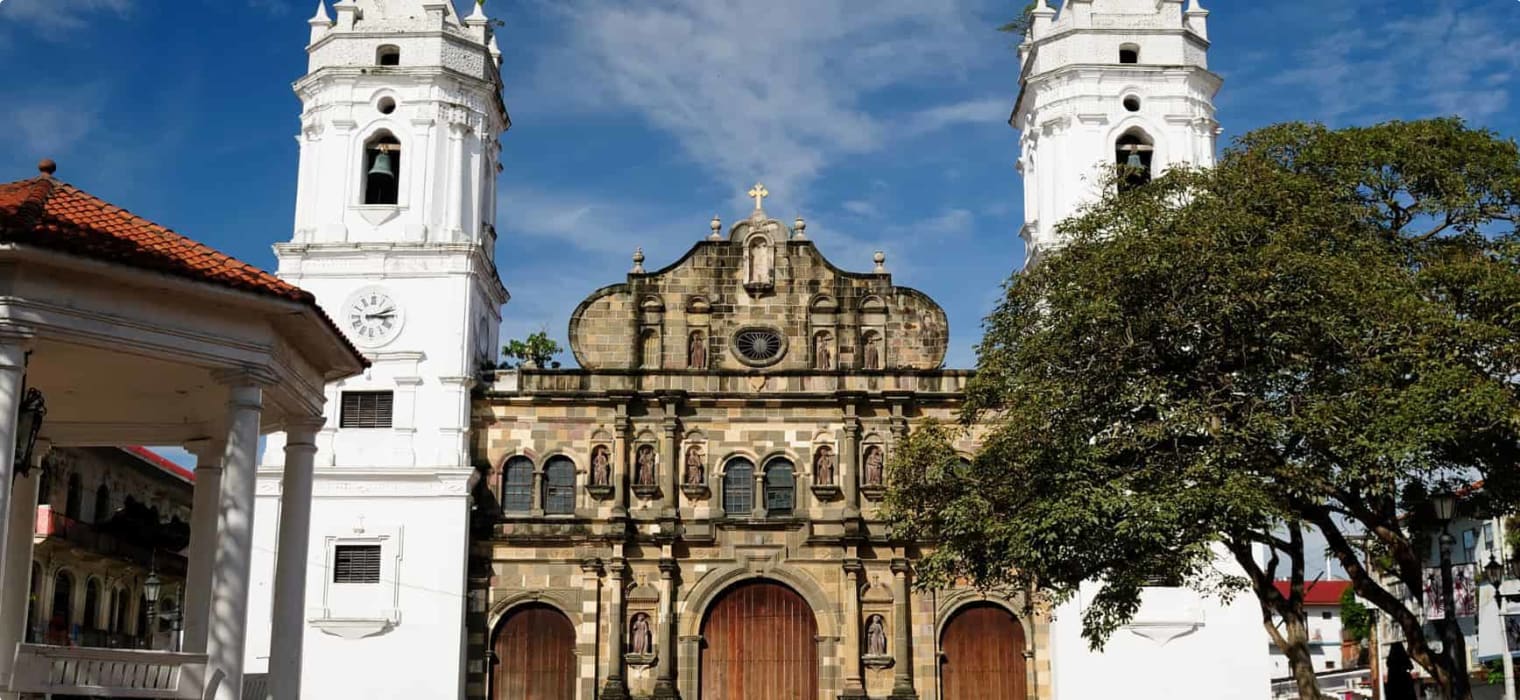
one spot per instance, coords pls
(882, 122)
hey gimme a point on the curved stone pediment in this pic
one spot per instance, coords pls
(761, 299)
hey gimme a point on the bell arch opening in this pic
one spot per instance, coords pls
(1133, 154)
(382, 169)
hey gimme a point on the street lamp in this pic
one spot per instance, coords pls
(151, 588)
(1494, 573)
(28, 425)
(1454, 647)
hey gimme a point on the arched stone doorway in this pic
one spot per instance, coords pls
(759, 643)
(534, 655)
(982, 655)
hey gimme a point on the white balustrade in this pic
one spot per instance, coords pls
(114, 673)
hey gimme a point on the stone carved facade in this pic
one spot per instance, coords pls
(725, 473)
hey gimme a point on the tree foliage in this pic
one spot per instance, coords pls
(1311, 335)
(537, 351)
(1356, 619)
(1020, 26)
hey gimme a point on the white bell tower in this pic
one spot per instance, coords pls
(395, 205)
(1111, 82)
(1106, 82)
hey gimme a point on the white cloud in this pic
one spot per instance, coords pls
(983, 111)
(49, 124)
(769, 90)
(51, 18)
(1376, 62)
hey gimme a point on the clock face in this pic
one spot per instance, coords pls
(373, 317)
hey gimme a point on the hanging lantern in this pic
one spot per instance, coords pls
(28, 425)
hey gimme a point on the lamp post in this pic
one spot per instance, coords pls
(28, 425)
(1494, 572)
(151, 588)
(1455, 648)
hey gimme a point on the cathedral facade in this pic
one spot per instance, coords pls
(695, 511)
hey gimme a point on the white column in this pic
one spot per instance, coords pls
(12, 373)
(17, 582)
(291, 558)
(232, 563)
(203, 535)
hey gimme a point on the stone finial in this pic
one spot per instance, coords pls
(348, 11)
(881, 262)
(47, 167)
(638, 261)
(1043, 15)
(320, 22)
(1196, 19)
(477, 21)
(716, 225)
(799, 229)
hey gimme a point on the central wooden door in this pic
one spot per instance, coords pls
(760, 644)
(983, 657)
(535, 656)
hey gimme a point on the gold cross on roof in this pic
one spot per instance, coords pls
(759, 193)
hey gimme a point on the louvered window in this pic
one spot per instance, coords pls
(517, 485)
(780, 488)
(559, 486)
(356, 563)
(366, 409)
(739, 488)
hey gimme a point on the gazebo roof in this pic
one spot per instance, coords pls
(47, 213)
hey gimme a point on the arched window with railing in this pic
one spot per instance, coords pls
(739, 487)
(559, 486)
(517, 485)
(780, 488)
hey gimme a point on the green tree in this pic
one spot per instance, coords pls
(1356, 619)
(1311, 335)
(537, 351)
(1020, 26)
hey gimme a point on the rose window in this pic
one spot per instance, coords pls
(759, 346)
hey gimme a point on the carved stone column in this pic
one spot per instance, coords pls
(623, 433)
(849, 463)
(670, 497)
(615, 688)
(665, 683)
(854, 683)
(902, 682)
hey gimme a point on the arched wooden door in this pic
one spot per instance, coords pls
(760, 644)
(535, 656)
(983, 659)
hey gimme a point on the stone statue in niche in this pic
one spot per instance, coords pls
(641, 639)
(875, 466)
(696, 351)
(823, 466)
(601, 466)
(823, 353)
(871, 355)
(876, 636)
(644, 474)
(759, 261)
(695, 474)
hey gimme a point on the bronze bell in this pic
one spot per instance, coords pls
(1133, 162)
(382, 165)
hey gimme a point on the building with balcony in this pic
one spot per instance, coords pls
(107, 518)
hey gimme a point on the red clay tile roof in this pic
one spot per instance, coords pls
(1317, 592)
(47, 213)
(159, 461)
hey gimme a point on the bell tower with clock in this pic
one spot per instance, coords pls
(395, 205)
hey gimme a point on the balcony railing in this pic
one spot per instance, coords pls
(51, 523)
(108, 673)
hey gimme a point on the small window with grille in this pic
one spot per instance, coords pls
(739, 488)
(559, 486)
(356, 563)
(366, 409)
(780, 489)
(517, 485)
